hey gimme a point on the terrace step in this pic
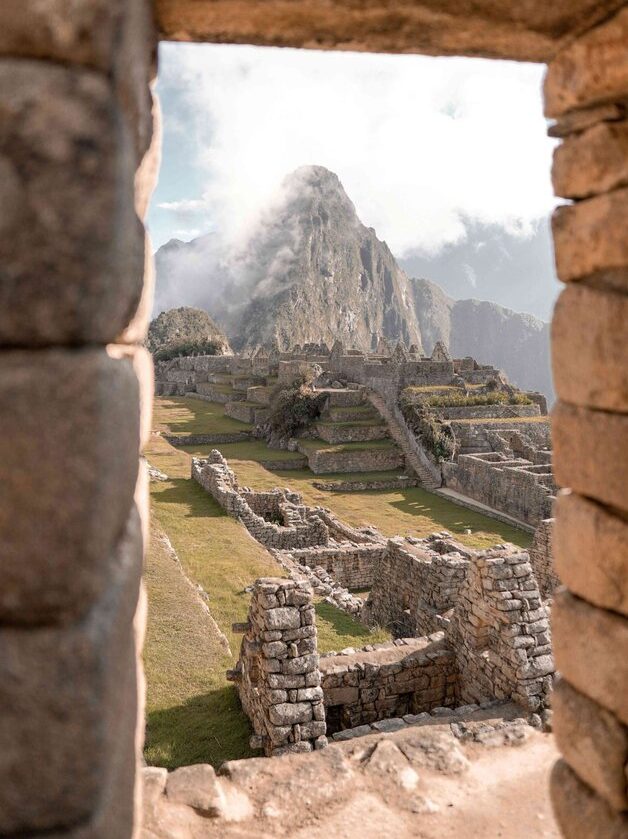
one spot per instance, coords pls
(336, 433)
(250, 412)
(415, 458)
(219, 392)
(343, 398)
(352, 412)
(350, 457)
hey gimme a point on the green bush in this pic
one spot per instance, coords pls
(187, 349)
(434, 433)
(294, 408)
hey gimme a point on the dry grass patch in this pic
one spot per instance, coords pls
(183, 416)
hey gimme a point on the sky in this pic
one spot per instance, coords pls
(428, 149)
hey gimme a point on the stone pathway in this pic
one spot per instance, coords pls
(491, 780)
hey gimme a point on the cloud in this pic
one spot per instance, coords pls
(421, 144)
(185, 206)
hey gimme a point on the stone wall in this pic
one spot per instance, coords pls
(499, 630)
(325, 461)
(277, 676)
(388, 680)
(260, 512)
(415, 584)
(514, 486)
(541, 559)
(352, 566)
(78, 160)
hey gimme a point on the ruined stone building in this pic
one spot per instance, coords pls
(79, 154)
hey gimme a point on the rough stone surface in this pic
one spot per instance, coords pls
(591, 453)
(593, 162)
(63, 145)
(590, 552)
(585, 640)
(52, 403)
(589, 238)
(593, 742)
(581, 813)
(592, 69)
(599, 378)
(69, 709)
(495, 30)
(197, 787)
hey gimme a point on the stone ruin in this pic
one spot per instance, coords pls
(278, 679)
(470, 626)
(494, 644)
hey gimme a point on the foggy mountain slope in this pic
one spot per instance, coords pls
(516, 343)
(314, 272)
(310, 272)
(491, 263)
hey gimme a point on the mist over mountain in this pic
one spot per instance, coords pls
(491, 263)
(516, 342)
(311, 272)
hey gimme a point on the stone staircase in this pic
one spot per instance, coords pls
(415, 457)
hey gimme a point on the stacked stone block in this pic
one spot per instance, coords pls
(514, 486)
(78, 159)
(300, 528)
(542, 559)
(585, 92)
(278, 676)
(415, 585)
(499, 630)
(409, 676)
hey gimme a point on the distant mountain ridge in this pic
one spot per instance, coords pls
(313, 272)
(517, 343)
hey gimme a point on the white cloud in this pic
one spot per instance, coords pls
(185, 206)
(419, 143)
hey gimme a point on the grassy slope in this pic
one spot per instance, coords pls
(184, 416)
(193, 714)
(406, 512)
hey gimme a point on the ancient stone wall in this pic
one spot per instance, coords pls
(352, 566)
(514, 486)
(181, 375)
(260, 512)
(277, 675)
(78, 160)
(325, 461)
(499, 630)
(409, 676)
(541, 559)
(414, 585)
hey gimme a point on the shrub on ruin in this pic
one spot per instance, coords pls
(294, 408)
(435, 434)
(189, 348)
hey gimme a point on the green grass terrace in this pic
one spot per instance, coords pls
(200, 563)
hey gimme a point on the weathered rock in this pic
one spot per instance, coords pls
(591, 452)
(196, 786)
(590, 552)
(592, 69)
(593, 742)
(599, 378)
(585, 639)
(60, 401)
(69, 714)
(593, 162)
(63, 142)
(589, 239)
(581, 813)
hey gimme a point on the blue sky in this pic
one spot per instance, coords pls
(422, 145)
